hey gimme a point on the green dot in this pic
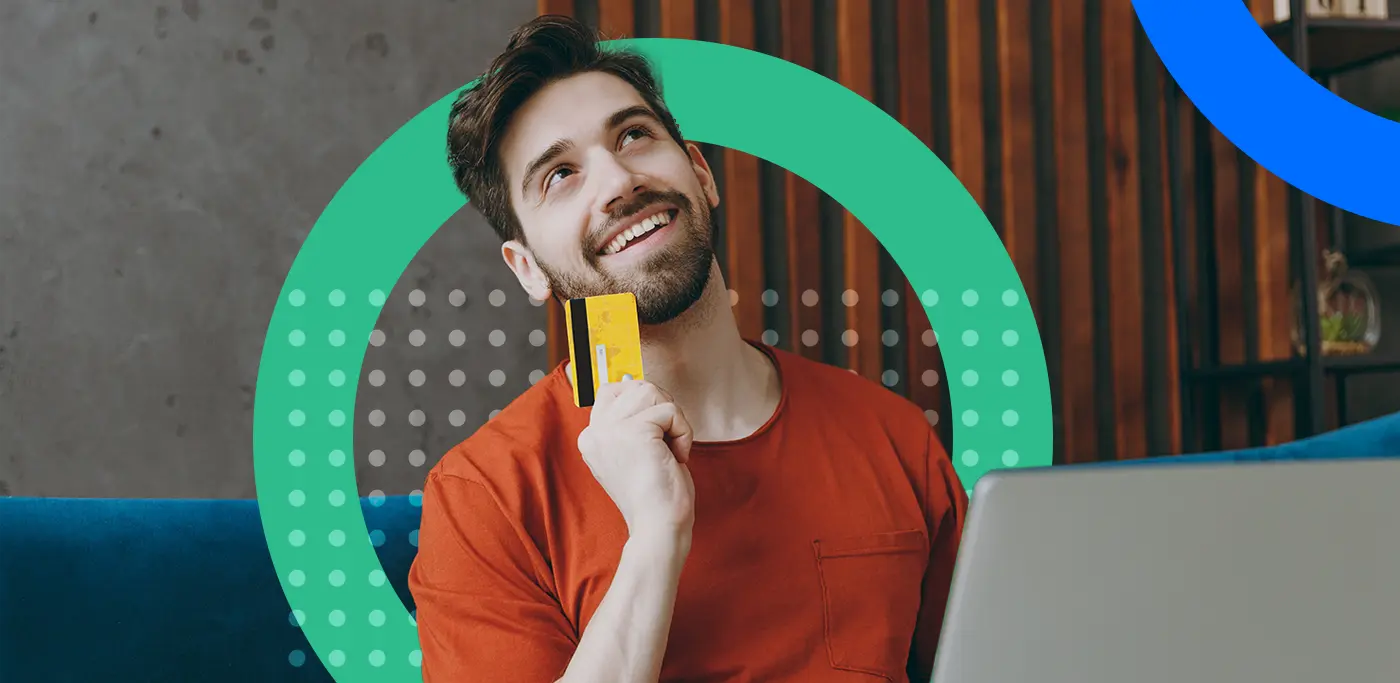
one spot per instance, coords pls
(337, 578)
(337, 458)
(376, 578)
(970, 458)
(337, 618)
(337, 378)
(336, 338)
(337, 538)
(337, 658)
(376, 658)
(300, 617)
(296, 338)
(296, 297)
(1010, 458)
(376, 298)
(970, 338)
(296, 378)
(337, 298)
(1010, 338)
(337, 498)
(969, 298)
(969, 418)
(415, 658)
(296, 418)
(296, 577)
(1010, 418)
(1010, 378)
(930, 298)
(969, 378)
(297, 458)
(1010, 297)
(337, 418)
(297, 498)
(376, 618)
(297, 538)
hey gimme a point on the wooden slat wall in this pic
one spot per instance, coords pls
(1096, 190)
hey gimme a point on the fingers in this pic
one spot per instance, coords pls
(627, 398)
(675, 428)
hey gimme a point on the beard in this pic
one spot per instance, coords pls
(669, 281)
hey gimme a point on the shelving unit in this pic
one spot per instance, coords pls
(1325, 48)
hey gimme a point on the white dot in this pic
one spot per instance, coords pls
(969, 378)
(1010, 458)
(770, 297)
(417, 337)
(536, 376)
(970, 458)
(890, 378)
(377, 337)
(456, 297)
(929, 338)
(1010, 378)
(497, 378)
(969, 338)
(496, 297)
(536, 302)
(930, 378)
(931, 416)
(1010, 338)
(494, 413)
(930, 298)
(376, 378)
(890, 297)
(810, 298)
(417, 378)
(850, 298)
(376, 298)
(376, 458)
(770, 337)
(497, 338)
(457, 418)
(810, 337)
(970, 418)
(417, 458)
(456, 337)
(457, 378)
(969, 298)
(417, 297)
(1010, 418)
(1010, 297)
(376, 418)
(890, 338)
(849, 337)
(733, 298)
(537, 338)
(417, 418)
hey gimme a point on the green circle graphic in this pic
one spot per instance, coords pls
(401, 194)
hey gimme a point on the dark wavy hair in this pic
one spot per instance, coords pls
(546, 49)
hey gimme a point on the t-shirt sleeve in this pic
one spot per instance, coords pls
(946, 502)
(485, 608)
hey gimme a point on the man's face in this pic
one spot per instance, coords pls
(608, 201)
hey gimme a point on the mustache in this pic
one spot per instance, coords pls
(629, 211)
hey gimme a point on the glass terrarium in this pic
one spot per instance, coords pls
(1347, 308)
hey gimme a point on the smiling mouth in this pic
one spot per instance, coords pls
(639, 232)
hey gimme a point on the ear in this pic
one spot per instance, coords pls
(703, 173)
(521, 262)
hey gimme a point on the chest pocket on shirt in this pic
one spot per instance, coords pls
(871, 591)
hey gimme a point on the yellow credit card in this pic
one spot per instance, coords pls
(605, 342)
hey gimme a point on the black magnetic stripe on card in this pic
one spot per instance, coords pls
(583, 351)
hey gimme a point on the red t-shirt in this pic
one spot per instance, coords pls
(822, 550)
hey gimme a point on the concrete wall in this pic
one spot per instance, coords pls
(160, 165)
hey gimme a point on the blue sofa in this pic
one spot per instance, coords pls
(184, 590)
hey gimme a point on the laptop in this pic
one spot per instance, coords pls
(1231, 573)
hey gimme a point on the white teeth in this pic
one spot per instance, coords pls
(642, 227)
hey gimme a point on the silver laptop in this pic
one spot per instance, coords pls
(1235, 573)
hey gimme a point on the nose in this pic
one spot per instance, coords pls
(617, 183)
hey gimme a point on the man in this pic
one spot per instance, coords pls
(742, 515)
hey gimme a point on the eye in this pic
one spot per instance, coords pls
(557, 175)
(633, 133)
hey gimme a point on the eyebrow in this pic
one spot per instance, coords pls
(559, 147)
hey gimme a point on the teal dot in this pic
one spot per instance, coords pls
(337, 498)
(297, 538)
(337, 378)
(337, 418)
(970, 458)
(1010, 458)
(1010, 338)
(337, 618)
(296, 458)
(376, 618)
(337, 538)
(336, 338)
(337, 298)
(337, 578)
(296, 577)
(415, 658)
(296, 338)
(1010, 297)
(1010, 378)
(376, 298)
(299, 616)
(296, 418)
(970, 338)
(1010, 418)
(970, 298)
(297, 498)
(296, 378)
(969, 418)
(376, 658)
(337, 658)
(969, 378)
(930, 298)
(376, 578)
(337, 458)
(296, 297)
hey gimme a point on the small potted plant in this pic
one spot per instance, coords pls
(1347, 310)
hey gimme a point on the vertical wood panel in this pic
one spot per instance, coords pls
(742, 204)
(1229, 299)
(617, 18)
(565, 7)
(968, 156)
(556, 331)
(1125, 229)
(1078, 393)
(1017, 109)
(1173, 341)
(802, 198)
(678, 19)
(856, 71)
